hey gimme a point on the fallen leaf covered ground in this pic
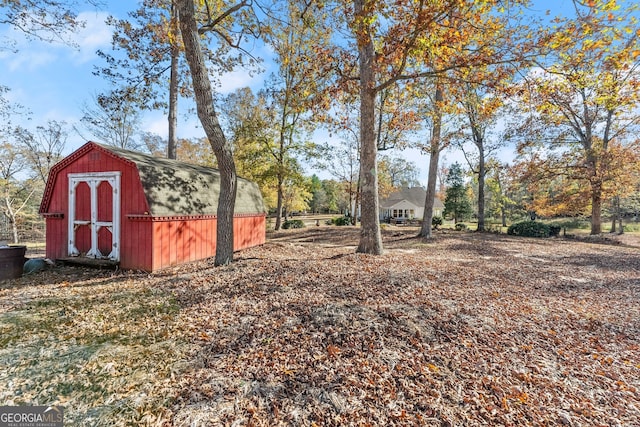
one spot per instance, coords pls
(466, 330)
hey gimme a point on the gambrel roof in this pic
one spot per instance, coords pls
(172, 188)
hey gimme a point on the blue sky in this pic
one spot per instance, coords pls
(54, 80)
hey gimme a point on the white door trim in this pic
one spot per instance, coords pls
(93, 180)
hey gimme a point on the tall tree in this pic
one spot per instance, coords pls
(152, 62)
(197, 151)
(497, 185)
(44, 148)
(480, 106)
(398, 173)
(46, 20)
(15, 194)
(216, 22)
(318, 200)
(113, 119)
(342, 161)
(434, 148)
(501, 33)
(263, 150)
(396, 41)
(293, 90)
(583, 100)
(297, 195)
(456, 202)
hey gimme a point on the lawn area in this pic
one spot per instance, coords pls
(466, 330)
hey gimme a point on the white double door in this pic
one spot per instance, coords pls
(94, 215)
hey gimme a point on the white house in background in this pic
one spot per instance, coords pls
(407, 204)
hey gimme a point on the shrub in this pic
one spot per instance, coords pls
(461, 226)
(554, 230)
(293, 223)
(436, 221)
(529, 229)
(341, 220)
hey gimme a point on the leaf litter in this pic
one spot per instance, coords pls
(468, 329)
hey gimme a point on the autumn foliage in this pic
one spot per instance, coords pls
(470, 329)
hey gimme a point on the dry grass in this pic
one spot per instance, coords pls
(465, 330)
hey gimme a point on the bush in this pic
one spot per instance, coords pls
(341, 220)
(554, 230)
(436, 222)
(461, 226)
(293, 223)
(529, 229)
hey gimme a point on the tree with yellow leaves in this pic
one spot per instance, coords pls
(581, 104)
(385, 43)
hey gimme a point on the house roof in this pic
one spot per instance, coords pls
(174, 188)
(414, 195)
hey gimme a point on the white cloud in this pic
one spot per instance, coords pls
(33, 54)
(156, 124)
(95, 35)
(20, 53)
(239, 79)
(30, 60)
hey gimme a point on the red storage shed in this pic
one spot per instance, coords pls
(143, 212)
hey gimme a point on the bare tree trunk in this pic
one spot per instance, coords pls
(356, 203)
(434, 153)
(596, 209)
(370, 236)
(351, 195)
(280, 204)
(14, 229)
(481, 174)
(10, 213)
(172, 143)
(427, 218)
(620, 223)
(207, 115)
(619, 215)
(614, 215)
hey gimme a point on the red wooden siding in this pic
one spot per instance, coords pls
(248, 231)
(179, 241)
(132, 201)
(105, 213)
(176, 241)
(105, 205)
(83, 213)
(146, 243)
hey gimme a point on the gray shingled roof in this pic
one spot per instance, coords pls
(174, 188)
(414, 195)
